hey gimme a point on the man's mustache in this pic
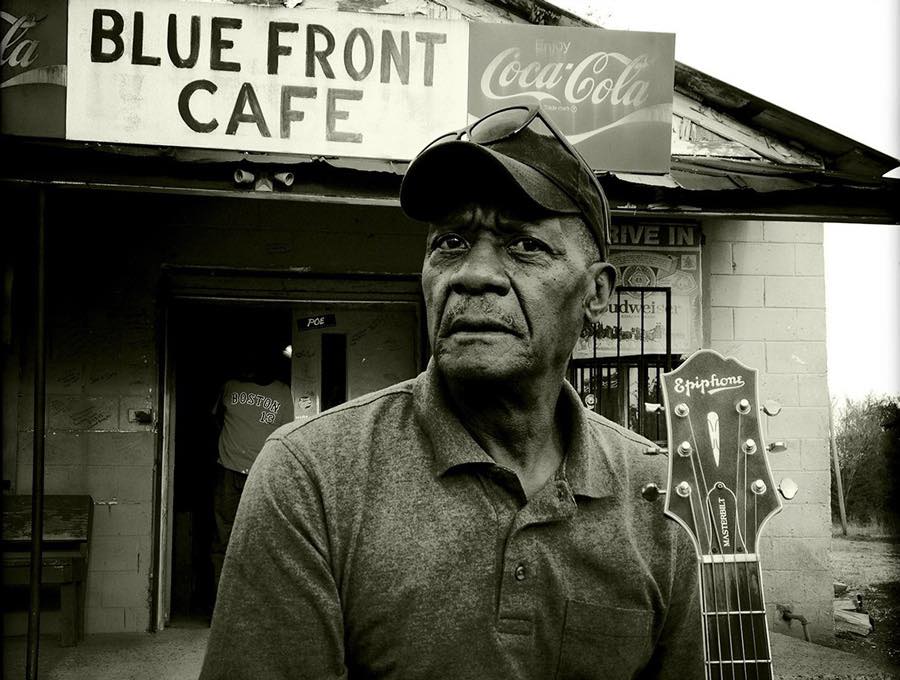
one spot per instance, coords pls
(477, 314)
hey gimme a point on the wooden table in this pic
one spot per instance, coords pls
(67, 533)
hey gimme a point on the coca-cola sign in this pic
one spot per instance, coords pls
(33, 67)
(609, 91)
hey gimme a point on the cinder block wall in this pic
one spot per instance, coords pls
(101, 363)
(766, 302)
(103, 280)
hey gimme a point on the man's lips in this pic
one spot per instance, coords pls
(466, 324)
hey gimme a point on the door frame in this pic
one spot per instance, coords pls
(203, 285)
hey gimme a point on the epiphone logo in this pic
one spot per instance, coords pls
(709, 385)
(599, 77)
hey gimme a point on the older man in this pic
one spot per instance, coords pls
(477, 521)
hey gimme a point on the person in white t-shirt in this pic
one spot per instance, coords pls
(249, 408)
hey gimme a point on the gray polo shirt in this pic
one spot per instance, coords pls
(378, 540)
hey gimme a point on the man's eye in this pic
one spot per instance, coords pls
(528, 245)
(448, 242)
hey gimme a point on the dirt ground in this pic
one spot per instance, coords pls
(871, 567)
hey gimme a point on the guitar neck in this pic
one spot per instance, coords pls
(734, 618)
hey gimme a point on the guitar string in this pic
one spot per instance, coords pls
(708, 516)
(703, 590)
(743, 538)
(707, 672)
(743, 545)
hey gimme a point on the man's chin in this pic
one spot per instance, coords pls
(478, 365)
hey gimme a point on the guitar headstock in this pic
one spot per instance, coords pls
(720, 485)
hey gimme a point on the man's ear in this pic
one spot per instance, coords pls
(602, 282)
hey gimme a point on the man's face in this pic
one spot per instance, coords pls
(505, 296)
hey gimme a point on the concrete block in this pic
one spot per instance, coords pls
(104, 620)
(793, 587)
(799, 422)
(123, 519)
(65, 377)
(805, 520)
(121, 448)
(116, 553)
(753, 354)
(82, 413)
(122, 484)
(60, 448)
(105, 377)
(103, 483)
(65, 479)
(796, 357)
(733, 230)
(810, 260)
(764, 258)
(137, 619)
(788, 462)
(768, 323)
(721, 323)
(718, 256)
(135, 484)
(124, 589)
(93, 596)
(815, 454)
(792, 554)
(794, 291)
(71, 343)
(780, 387)
(736, 291)
(136, 403)
(793, 232)
(813, 390)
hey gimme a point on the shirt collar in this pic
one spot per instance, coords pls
(586, 467)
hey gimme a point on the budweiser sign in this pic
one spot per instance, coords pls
(609, 91)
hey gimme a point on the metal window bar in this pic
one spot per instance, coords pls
(611, 377)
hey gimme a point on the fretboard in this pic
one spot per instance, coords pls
(734, 619)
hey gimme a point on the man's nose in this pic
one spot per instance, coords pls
(480, 271)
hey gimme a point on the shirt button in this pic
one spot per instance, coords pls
(521, 572)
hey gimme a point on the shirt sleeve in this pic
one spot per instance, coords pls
(679, 650)
(278, 612)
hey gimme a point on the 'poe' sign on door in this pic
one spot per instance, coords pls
(313, 323)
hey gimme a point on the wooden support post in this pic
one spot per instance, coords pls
(837, 468)
(37, 464)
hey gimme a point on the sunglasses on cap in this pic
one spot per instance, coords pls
(503, 124)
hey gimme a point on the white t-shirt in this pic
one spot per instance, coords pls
(251, 413)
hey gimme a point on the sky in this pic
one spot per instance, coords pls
(836, 63)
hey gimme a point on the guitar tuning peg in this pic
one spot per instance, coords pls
(776, 447)
(788, 488)
(657, 450)
(651, 492)
(651, 407)
(771, 407)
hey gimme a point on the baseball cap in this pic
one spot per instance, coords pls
(530, 163)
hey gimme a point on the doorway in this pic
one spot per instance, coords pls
(335, 350)
(209, 343)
